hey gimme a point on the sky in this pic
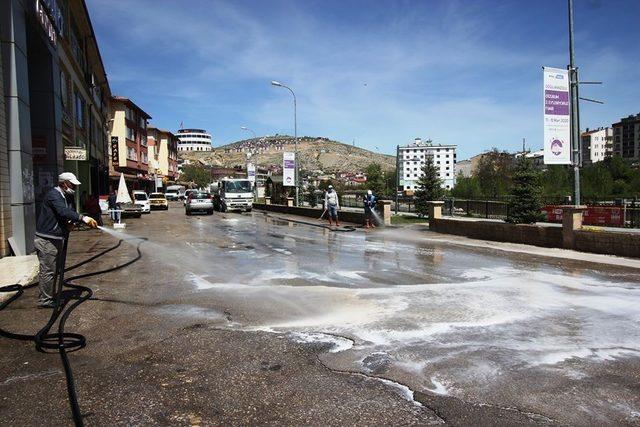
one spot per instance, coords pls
(374, 73)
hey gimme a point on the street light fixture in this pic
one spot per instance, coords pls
(295, 133)
(249, 130)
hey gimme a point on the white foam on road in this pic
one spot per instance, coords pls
(338, 344)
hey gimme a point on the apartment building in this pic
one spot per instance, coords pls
(596, 144)
(626, 137)
(163, 154)
(412, 157)
(56, 96)
(129, 153)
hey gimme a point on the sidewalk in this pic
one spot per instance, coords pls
(22, 270)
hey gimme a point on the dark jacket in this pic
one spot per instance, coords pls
(112, 201)
(369, 202)
(56, 212)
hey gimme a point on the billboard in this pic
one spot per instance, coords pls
(251, 172)
(557, 118)
(289, 169)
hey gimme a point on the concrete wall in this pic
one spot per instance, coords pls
(353, 217)
(545, 236)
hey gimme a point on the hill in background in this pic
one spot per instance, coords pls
(315, 153)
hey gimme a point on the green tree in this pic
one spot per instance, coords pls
(526, 202)
(557, 181)
(429, 187)
(467, 187)
(197, 174)
(494, 173)
(596, 182)
(375, 179)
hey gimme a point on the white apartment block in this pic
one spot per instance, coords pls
(411, 159)
(597, 144)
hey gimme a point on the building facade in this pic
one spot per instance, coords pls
(129, 153)
(596, 144)
(194, 140)
(163, 154)
(626, 138)
(56, 98)
(411, 159)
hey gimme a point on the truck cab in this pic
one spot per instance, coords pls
(233, 194)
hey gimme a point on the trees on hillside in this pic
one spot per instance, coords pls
(429, 187)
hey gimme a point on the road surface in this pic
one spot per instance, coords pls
(247, 319)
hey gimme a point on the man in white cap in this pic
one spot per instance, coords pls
(369, 206)
(57, 216)
(332, 204)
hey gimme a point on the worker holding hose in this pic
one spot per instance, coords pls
(57, 217)
(369, 206)
(332, 204)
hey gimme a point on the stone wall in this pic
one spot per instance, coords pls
(343, 216)
(545, 236)
(608, 243)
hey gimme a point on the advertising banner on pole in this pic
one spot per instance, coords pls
(289, 169)
(557, 119)
(251, 172)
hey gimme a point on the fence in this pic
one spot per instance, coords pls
(623, 214)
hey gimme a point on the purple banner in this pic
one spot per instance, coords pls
(556, 102)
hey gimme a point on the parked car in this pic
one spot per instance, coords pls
(158, 201)
(199, 201)
(141, 199)
(131, 210)
(186, 196)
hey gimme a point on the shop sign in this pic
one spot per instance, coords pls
(115, 155)
(75, 153)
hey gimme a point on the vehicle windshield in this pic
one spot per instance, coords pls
(200, 196)
(244, 186)
(140, 196)
(156, 196)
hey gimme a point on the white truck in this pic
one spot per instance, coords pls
(175, 192)
(232, 194)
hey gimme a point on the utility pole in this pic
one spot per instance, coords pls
(397, 175)
(575, 111)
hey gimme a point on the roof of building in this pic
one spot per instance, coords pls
(131, 103)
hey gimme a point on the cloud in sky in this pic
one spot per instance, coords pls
(379, 73)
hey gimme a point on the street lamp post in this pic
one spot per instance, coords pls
(249, 155)
(295, 133)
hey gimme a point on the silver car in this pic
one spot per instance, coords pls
(199, 201)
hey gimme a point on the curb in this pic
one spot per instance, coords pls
(21, 270)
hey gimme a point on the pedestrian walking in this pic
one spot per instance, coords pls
(114, 209)
(369, 206)
(331, 204)
(56, 219)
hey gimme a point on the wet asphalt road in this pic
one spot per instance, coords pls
(248, 319)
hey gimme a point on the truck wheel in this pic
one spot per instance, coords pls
(249, 210)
